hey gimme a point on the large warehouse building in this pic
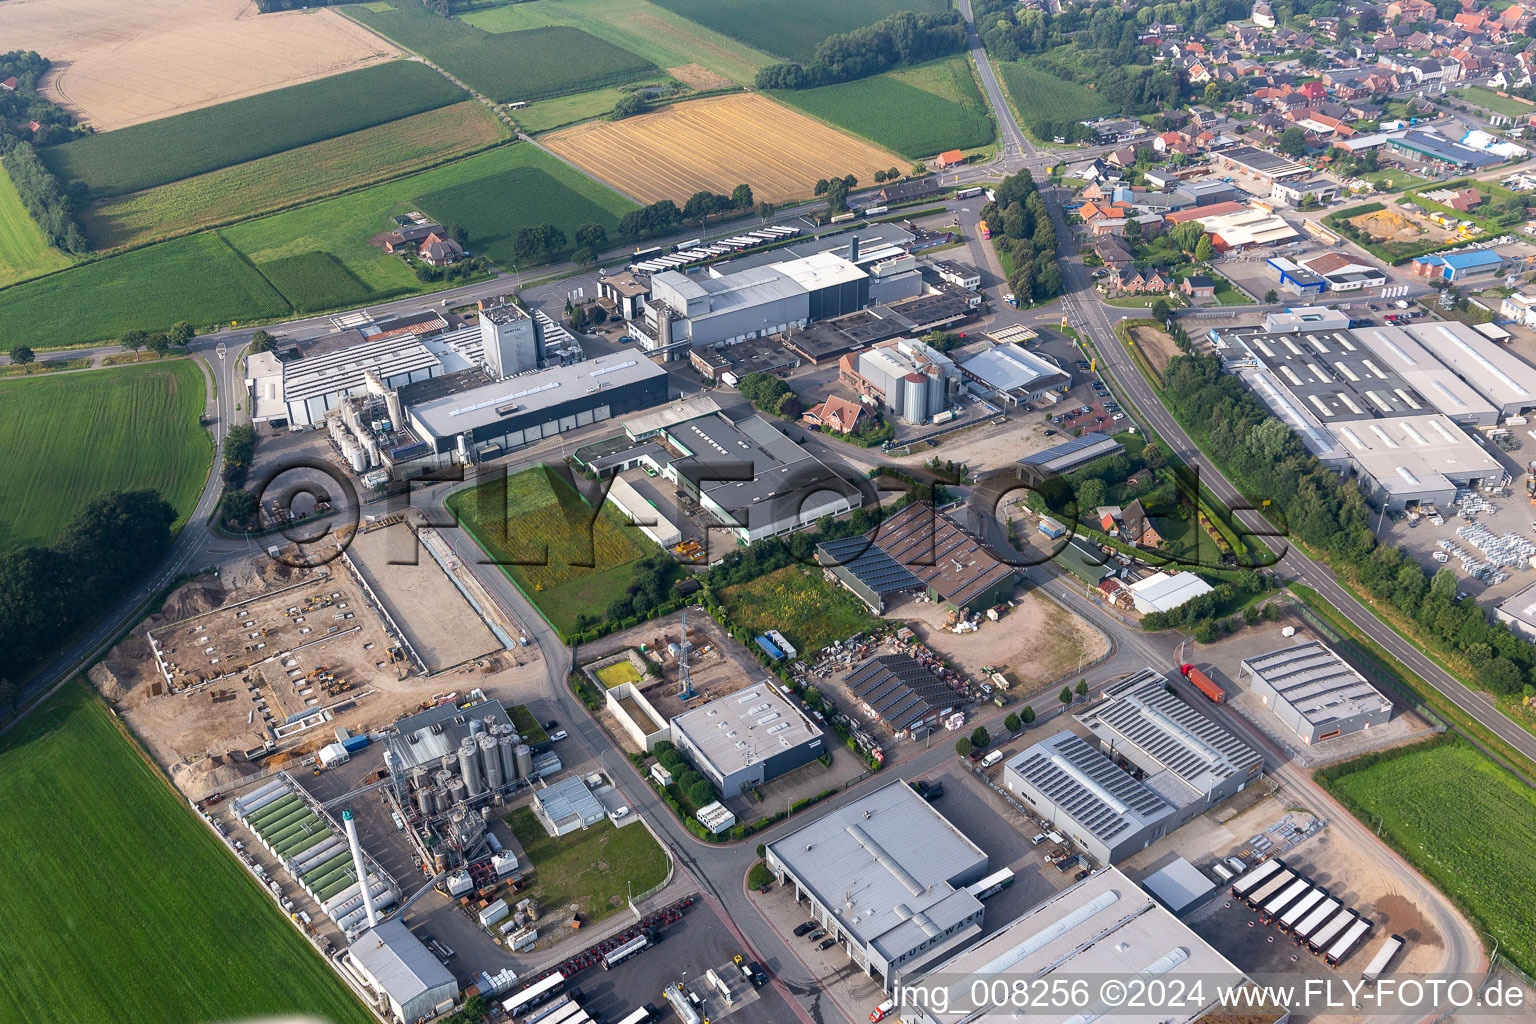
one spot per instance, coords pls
(1316, 693)
(1188, 759)
(919, 549)
(909, 378)
(903, 693)
(1067, 456)
(1087, 796)
(1014, 375)
(404, 973)
(1499, 375)
(1401, 353)
(747, 738)
(1102, 927)
(886, 875)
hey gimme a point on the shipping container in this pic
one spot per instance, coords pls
(1204, 684)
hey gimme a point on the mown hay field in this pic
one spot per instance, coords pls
(55, 432)
(716, 144)
(565, 556)
(639, 26)
(143, 156)
(120, 906)
(795, 600)
(916, 112)
(198, 278)
(117, 64)
(24, 249)
(1040, 96)
(1461, 819)
(792, 28)
(296, 176)
(507, 66)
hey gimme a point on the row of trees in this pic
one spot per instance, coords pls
(1330, 514)
(770, 394)
(664, 216)
(178, 335)
(52, 204)
(107, 548)
(1022, 227)
(902, 38)
(653, 585)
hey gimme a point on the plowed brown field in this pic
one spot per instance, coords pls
(716, 144)
(116, 64)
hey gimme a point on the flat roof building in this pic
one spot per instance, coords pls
(1269, 167)
(1499, 375)
(399, 967)
(903, 693)
(1405, 461)
(334, 366)
(886, 874)
(1068, 455)
(1189, 759)
(1164, 591)
(1518, 611)
(747, 738)
(1086, 795)
(1015, 375)
(1399, 352)
(566, 806)
(1179, 885)
(1316, 693)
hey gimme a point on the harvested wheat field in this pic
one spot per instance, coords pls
(716, 144)
(117, 64)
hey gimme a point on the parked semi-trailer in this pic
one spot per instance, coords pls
(1382, 958)
(1297, 912)
(1325, 936)
(1203, 683)
(1314, 920)
(1256, 875)
(1270, 889)
(1283, 899)
(1352, 937)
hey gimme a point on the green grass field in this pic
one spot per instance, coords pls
(916, 112)
(292, 177)
(497, 206)
(1463, 821)
(1041, 96)
(619, 673)
(639, 26)
(145, 155)
(1479, 96)
(594, 868)
(810, 612)
(559, 111)
(1393, 179)
(121, 908)
(506, 66)
(566, 558)
(197, 278)
(792, 28)
(24, 249)
(315, 281)
(55, 431)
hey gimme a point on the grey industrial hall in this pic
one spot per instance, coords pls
(746, 738)
(886, 874)
(1316, 693)
(405, 974)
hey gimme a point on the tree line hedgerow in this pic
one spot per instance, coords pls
(903, 38)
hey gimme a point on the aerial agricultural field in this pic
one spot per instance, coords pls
(506, 66)
(24, 250)
(118, 64)
(315, 281)
(198, 278)
(298, 175)
(1041, 96)
(120, 907)
(1478, 820)
(114, 163)
(644, 28)
(535, 517)
(716, 144)
(916, 112)
(792, 28)
(52, 427)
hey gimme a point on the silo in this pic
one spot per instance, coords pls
(475, 726)
(505, 743)
(456, 790)
(524, 755)
(371, 447)
(440, 803)
(424, 800)
(392, 403)
(936, 388)
(469, 767)
(490, 761)
(914, 404)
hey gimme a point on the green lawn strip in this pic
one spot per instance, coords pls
(595, 868)
(1463, 821)
(54, 430)
(1482, 97)
(120, 906)
(24, 250)
(155, 152)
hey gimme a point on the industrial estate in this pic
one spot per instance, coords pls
(606, 511)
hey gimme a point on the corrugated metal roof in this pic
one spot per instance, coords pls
(399, 962)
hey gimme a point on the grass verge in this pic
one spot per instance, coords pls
(593, 868)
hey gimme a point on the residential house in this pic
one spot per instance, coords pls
(842, 415)
(1197, 287)
(10, 84)
(1411, 10)
(440, 250)
(1114, 251)
(1131, 281)
(1139, 528)
(1123, 157)
(949, 158)
(409, 237)
(1262, 15)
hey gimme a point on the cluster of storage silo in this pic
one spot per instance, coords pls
(486, 761)
(314, 854)
(355, 432)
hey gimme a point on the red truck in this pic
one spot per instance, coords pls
(1203, 683)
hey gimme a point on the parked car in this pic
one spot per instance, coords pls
(1050, 433)
(558, 735)
(759, 976)
(882, 1011)
(819, 933)
(551, 724)
(801, 929)
(827, 944)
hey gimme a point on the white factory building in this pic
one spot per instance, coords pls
(1104, 926)
(886, 875)
(908, 378)
(1014, 375)
(403, 972)
(1407, 460)
(1499, 375)
(1518, 611)
(1401, 353)
(747, 738)
(301, 390)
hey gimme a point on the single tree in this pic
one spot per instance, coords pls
(458, 234)
(1012, 723)
(158, 343)
(1065, 696)
(1082, 687)
(822, 184)
(181, 334)
(592, 236)
(980, 737)
(133, 340)
(1160, 309)
(1153, 456)
(261, 341)
(1271, 297)
(1204, 250)
(1027, 714)
(850, 182)
(21, 355)
(765, 210)
(963, 747)
(741, 196)
(1293, 142)
(879, 177)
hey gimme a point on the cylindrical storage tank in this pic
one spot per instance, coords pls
(935, 389)
(914, 398)
(371, 446)
(524, 755)
(359, 458)
(392, 403)
(456, 792)
(490, 761)
(440, 859)
(424, 800)
(469, 767)
(440, 802)
(505, 744)
(475, 726)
